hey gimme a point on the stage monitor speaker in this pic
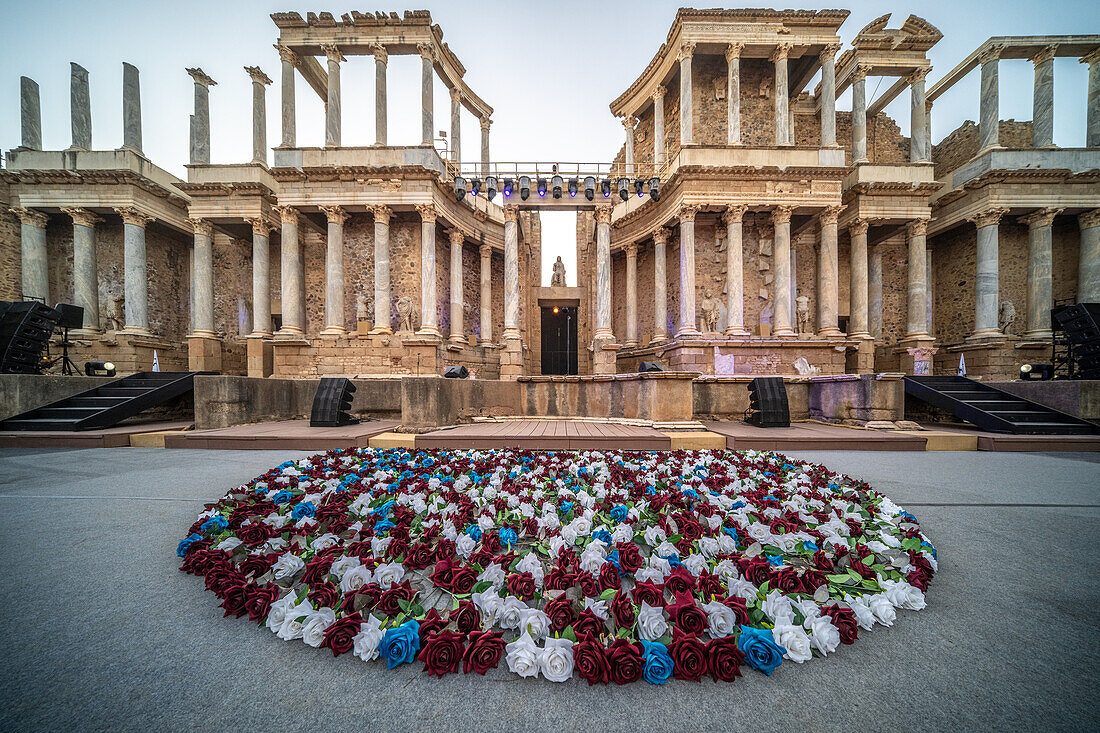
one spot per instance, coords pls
(331, 403)
(650, 366)
(768, 403)
(72, 316)
(457, 371)
(25, 329)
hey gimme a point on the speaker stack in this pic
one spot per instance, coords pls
(768, 403)
(25, 329)
(331, 403)
(1080, 323)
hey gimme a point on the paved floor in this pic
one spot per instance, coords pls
(102, 632)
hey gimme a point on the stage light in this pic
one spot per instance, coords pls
(524, 187)
(475, 186)
(655, 188)
(542, 186)
(572, 187)
(1036, 371)
(639, 187)
(589, 187)
(555, 185)
(556, 310)
(460, 188)
(508, 187)
(490, 187)
(605, 187)
(99, 369)
(624, 188)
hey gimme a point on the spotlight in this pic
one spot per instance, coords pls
(524, 187)
(589, 187)
(605, 187)
(572, 187)
(1036, 371)
(508, 187)
(624, 188)
(639, 187)
(490, 187)
(475, 186)
(556, 310)
(99, 369)
(655, 188)
(555, 184)
(542, 186)
(460, 188)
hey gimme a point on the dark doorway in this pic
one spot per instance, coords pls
(559, 340)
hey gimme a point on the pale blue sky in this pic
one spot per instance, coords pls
(549, 69)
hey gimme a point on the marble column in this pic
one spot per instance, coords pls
(874, 292)
(35, 262)
(427, 76)
(382, 214)
(485, 122)
(930, 283)
(429, 287)
(828, 95)
(135, 278)
(1040, 298)
(260, 80)
(30, 114)
(659, 127)
(782, 106)
(990, 109)
(456, 125)
(131, 108)
(859, 113)
(628, 155)
(457, 296)
(202, 280)
(1092, 111)
(687, 326)
(511, 272)
(781, 305)
(334, 271)
(733, 93)
(858, 276)
(333, 115)
(290, 274)
(735, 275)
(85, 272)
(920, 151)
(917, 287)
(828, 285)
(485, 303)
(987, 290)
(261, 277)
(1088, 262)
(631, 250)
(381, 111)
(603, 274)
(289, 61)
(80, 108)
(200, 121)
(660, 287)
(686, 114)
(1042, 100)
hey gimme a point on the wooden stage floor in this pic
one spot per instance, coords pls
(812, 436)
(547, 435)
(116, 437)
(282, 435)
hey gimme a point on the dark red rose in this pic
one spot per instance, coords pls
(505, 560)
(859, 566)
(690, 530)
(689, 657)
(234, 598)
(371, 592)
(483, 652)
(340, 636)
(464, 579)
(590, 661)
(396, 548)
(609, 577)
(443, 574)
(739, 608)
(918, 580)
(558, 579)
(466, 617)
(626, 660)
(622, 610)
(844, 619)
(255, 533)
(822, 561)
(531, 526)
(431, 623)
(482, 557)
(649, 592)
(419, 556)
(442, 653)
(588, 623)
(325, 594)
(491, 542)
(560, 611)
(788, 580)
(756, 569)
(711, 585)
(724, 659)
(680, 581)
(387, 602)
(630, 559)
(588, 585)
(521, 585)
(444, 549)
(258, 600)
(683, 545)
(687, 616)
(257, 565)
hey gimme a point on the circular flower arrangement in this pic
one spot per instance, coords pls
(614, 566)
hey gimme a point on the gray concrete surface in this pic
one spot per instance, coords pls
(102, 632)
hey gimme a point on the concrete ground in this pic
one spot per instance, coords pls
(101, 631)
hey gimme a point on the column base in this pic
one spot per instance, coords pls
(511, 358)
(290, 332)
(830, 333)
(658, 339)
(986, 334)
(334, 331)
(261, 356)
(630, 344)
(136, 331)
(429, 332)
(381, 331)
(259, 335)
(458, 339)
(784, 333)
(739, 332)
(85, 333)
(204, 353)
(604, 355)
(688, 333)
(1040, 335)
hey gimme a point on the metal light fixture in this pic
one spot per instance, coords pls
(99, 369)
(572, 187)
(639, 187)
(589, 187)
(542, 186)
(605, 187)
(490, 187)
(475, 186)
(655, 188)
(624, 188)
(508, 187)
(460, 188)
(524, 187)
(555, 185)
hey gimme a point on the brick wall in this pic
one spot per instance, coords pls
(961, 145)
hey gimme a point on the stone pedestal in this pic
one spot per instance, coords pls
(511, 359)
(604, 354)
(261, 357)
(204, 354)
(424, 353)
(916, 356)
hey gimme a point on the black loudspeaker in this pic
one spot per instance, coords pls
(1081, 324)
(650, 366)
(768, 403)
(72, 316)
(25, 329)
(456, 372)
(331, 403)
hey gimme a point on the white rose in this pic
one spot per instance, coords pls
(485, 523)
(556, 660)
(727, 570)
(343, 565)
(354, 579)
(494, 574)
(786, 542)
(378, 545)
(714, 521)
(489, 603)
(325, 541)
(535, 622)
(708, 546)
(622, 533)
(903, 595)
(760, 532)
(582, 525)
(292, 627)
(229, 544)
(367, 640)
(654, 536)
(695, 564)
(651, 622)
(313, 631)
(864, 617)
(824, 636)
(591, 562)
(777, 607)
(597, 606)
(276, 615)
(721, 620)
(389, 573)
(568, 534)
(795, 640)
(667, 548)
(882, 609)
(522, 656)
(464, 545)
(511, 613)
(809, 609)
(287, 565)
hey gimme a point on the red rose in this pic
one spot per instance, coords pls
(463, 579)
(521, 585)
(788, 580)
(649, 592)
(626, 660)
(756, 569)
(505, 560)
(689, 657)
(442, 653)
(822, 561)
(234, 598)
(844, 619)
(588, 585)
(591, 661)
(396, 548)
(630, 559)
(484, 651)
(257, 565)
(431, 623)
(255, 534)
(588, 623)
(443, 574)
(680, 581)
(687, 616)
(491, 542)
(340, 636)
(861, 568)
(466, 617)
(444, 549)
(387, 602)
(683, 545)
(258, 600)
(325, 594)
(370, 592)
(690, 530)
(317, 569)
(560, 611)
(419, 556)
(711, 585)
(609, 577)
(559, 579)
(724, 659)
(739, 608)
(622, 610)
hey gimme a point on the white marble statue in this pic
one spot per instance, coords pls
(557, 277)
(802, 309)
(116, 319)
(1008, 316)
(709, 312)
(405, 314)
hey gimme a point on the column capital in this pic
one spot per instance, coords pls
(130, 215)
(859, 227)
(202, 227)
(1091, 57)
(427, 213)
(287, 214)
(629, 122)
(485, 122)
(828, 52)
(660, 236)
(1040, 217)
(660, 92)
(687, 212)
(31, 217)
(456, 236)
(287, 55)
(780, 51)
(1046, 53)
(993, 53)
(631, 249)
(734, 214)
(918, 74)
(861, 71)
(511, 212)
(1089, 219)
(380, 53)
(335, 214)
(260, 225)
(382, 213)
(257, 74)
(456, 94)
(82, 217)
(782, 214)
(485, 250)
(201, 77)
(987, 218)
(332, 51)
(603, 214)
(917, 228)
(830, 214)
(687, 50)
(426, 51)
(733, 51)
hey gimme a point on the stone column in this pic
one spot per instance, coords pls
(828, 95)
(917, 301)
(1042, 100)
(259, 113)
(1092, 111)
(456, 125)
(457, 296)
(333, 115)
(781, 305)
(486, 300)
(857, 287)
(381, 112)
(735, 276)
(134, 269)
(80, 107)
(30, 114)
(987, 295)
(200, 121)
(628, 155)
(990, 109)
(334, 272)
(660, 287)
(485, 122)
(828, 285)
(874, 292)
(427, 75)
(290, 274)
(202, 280)
(382, 214)
(686, 52)
(919, 149)
(1088, 262)
(261, 277)
(930, 283)
(603, 274)
(659, 127)
(131, 108)
(859, 114)
(687, 326)
(289, 61)
(733, 92)
(511, 273)
(782, 107)
(631, 294)
(85, 273)
(35, 263)
(429, 313)
(1040, 297)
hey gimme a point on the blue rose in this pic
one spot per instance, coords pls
(473, 532)
(618, 513)
(673, 560)
(812, 547)
(566, 506)
(603, 536)
(382, 527)
(760, 649)
(508, 536)
(775, 560)
(217, 521)
(283, 497)
(613, 558)
(185, 544)
(303, 509)
(657, 667)
(400, 645)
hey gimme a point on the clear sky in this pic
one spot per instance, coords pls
(549, 69)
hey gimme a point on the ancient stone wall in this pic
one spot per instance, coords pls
(11, 285)
(962, 143)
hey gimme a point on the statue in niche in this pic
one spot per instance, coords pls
(766, 314)
(1008, 316)
(362, 309)
(719, 89)
(557, 277)
(802, 309)
(116, 320)
(405, 314)
(709, 312)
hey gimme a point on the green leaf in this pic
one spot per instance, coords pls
(608, 594)
(403, 604)
(837, 578)
(568, 633)
(623, 633)
(666, 640)
(764, 587)
(454, 603)
(482, 586)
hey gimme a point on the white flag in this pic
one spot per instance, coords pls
(962, 364)
(156, 361)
